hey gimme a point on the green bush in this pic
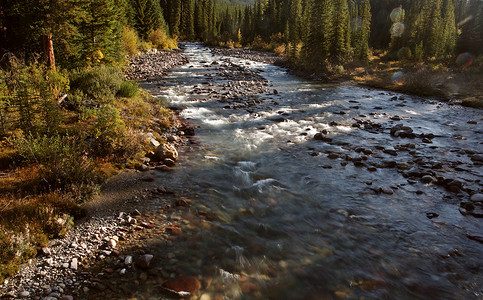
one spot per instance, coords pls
(99, 84)
(128, 89)
(109, 132)
(62, 166)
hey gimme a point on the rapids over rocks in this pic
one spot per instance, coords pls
(303, 190)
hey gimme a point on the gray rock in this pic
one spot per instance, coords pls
(74, 264)
(477, 198)
(24, 294)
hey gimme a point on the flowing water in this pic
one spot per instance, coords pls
(285, 216)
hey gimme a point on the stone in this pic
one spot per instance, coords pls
(112, 243)
(431, 215)
(67, 297)
(387, 191)
(169, 162)
(476, 198)
(165, 151)
(128, 260)
(183, 284)
(74, 264)
(46, 251)
(145, 261)
(24, 294)
(428, 179)
(320, 136)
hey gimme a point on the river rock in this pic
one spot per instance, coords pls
(165, 151)
(183, 285)
(145, 261)
(169, 162)
(74, 264)
(320, 136)
(477, 198)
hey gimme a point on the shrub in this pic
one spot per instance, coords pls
(99, 83)
(128, 89)
(61, 163)
(130, 41)
(109, 132)
(159, 38)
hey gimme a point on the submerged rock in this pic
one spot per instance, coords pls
(183, 285)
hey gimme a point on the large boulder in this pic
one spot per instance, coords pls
(165, 151)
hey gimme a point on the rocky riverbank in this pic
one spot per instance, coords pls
(258, 56)
(154, 64)
(112, 216)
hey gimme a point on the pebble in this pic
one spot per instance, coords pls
(24, 294)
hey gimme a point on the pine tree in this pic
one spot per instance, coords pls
(100, 32)
(187, 20)
(449, 29)
(362, 45)
(341, 32)
(319, 40)
(147, 16)
(174, 17)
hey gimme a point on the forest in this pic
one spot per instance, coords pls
(70, 118)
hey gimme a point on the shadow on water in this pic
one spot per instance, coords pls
(275, 214)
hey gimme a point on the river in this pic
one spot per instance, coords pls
(356, 213)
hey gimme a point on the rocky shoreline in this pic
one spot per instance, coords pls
(113, 215)
(154, 64)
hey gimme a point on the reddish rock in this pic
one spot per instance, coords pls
(174, 230)
(183, 285)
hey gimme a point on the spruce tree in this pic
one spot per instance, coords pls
(449, 29)
(187, 20)
(341, 32)
(147, 16)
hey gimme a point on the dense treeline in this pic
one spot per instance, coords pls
(337, 31)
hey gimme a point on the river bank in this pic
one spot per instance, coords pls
(48, 274)
(456, 85)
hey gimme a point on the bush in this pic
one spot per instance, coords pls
(159, 38)
(61, 163)
(99, 84)
(130, 41)
(109, 132)
(128, 89)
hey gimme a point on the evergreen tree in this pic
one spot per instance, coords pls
(319, 41)
(147, 16)
(449, 29)
(341, 31)
(174, 19)
(362, 45)
(187, 20)
(100, 32)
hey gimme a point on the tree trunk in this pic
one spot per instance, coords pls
(49, 51)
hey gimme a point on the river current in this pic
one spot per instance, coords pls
(283, 215)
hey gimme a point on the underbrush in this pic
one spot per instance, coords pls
(56, 152)
(26, 224)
